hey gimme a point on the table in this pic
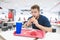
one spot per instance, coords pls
(8, 35)
(55, 24)
(10, 22)
(1, 38)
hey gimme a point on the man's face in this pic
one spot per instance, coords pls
(35, 12)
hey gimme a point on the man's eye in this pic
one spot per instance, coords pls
(31, 12)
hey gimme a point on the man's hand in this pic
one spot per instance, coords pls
(34, 21)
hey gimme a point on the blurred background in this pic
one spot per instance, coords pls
(20, 10)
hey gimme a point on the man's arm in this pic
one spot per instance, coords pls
(28, 23)
(48, 29)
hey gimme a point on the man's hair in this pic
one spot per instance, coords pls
(35, 7)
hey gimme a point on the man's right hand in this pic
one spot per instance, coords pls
(29, 22)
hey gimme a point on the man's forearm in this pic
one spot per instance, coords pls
(27, 24)
(48, 29)
(24, 26)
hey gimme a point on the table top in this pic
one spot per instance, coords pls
(55, 24)
(10, 22)
(8, 35)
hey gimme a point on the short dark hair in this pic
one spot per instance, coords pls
(35, 7)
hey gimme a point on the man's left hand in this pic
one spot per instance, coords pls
(34, 21)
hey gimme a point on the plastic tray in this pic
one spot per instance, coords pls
(31, 33)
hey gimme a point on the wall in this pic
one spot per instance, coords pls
(18, 5)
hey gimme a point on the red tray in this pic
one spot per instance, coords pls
(31, 33)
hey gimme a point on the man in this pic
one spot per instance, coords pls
(38, 21)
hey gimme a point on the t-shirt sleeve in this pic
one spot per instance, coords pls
(46, 22)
